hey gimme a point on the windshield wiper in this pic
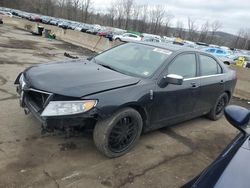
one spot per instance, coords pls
(108, 67)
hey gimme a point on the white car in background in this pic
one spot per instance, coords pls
(8, 14)
(127, 37)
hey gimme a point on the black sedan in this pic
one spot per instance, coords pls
(127, 90)
(230, 169)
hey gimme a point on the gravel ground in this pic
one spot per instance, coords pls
(165, 158)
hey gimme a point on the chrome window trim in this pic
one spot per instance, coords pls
(207, 76)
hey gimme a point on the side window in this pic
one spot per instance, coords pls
(209, 66)
(132, 36)
(211, 50)
(219, 52)
(183, 65)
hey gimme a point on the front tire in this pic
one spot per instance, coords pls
(218, 110)
(118, 39)
(117, 135)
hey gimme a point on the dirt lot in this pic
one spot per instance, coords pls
(165, 158)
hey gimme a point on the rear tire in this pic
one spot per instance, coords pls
(117, 135)
(218, 110)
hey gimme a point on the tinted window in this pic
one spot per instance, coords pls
(133, 36)
(184, 65)
(209, 66)
(219, 52)
(211, 50)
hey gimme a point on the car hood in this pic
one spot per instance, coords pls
(76, 78)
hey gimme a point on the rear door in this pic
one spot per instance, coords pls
(211, 80)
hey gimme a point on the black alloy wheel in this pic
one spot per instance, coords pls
(123, 134)
(118, 134)
(218, 109)
(221, 105)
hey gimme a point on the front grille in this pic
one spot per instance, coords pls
(38, 99)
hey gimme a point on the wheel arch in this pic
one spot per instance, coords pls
(142, 111)
(229, 94)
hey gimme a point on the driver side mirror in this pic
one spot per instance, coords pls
(239, 117)
(170, 79)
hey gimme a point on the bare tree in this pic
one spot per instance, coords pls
(135, 16)
(204, 32)
(179, 30)
(61, 4)
(215, 26)
(112, 13)
(143, 18)
(127, 7)
(168, 18)
(120, 10)
(86, 8)
(68, 9)
(157, 14)
(192, 28)
(76, 4)
(238, 38)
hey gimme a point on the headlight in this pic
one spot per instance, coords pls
(60, 108)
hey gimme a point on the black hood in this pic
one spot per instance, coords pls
(76, 78)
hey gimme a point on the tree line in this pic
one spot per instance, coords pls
(129, 15)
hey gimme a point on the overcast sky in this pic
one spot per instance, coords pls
(233, 14)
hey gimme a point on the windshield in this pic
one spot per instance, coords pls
(134, 59)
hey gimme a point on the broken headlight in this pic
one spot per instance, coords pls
(60, 108)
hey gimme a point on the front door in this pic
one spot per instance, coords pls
(176, 103)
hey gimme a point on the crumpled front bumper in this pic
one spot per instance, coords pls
(55, 122)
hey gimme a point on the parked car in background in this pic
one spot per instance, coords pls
(45, 19)
(73, 25)
(201, 45)
(54, 21)
(85, 27)
(230, 169)
(34, 18)
(8, 14)
(93, 31)
(218, 52)
(127, 90)
(64, 24)
(150, 39)
(227, 60)
(243, 61)
(127, 37)
(103, 33)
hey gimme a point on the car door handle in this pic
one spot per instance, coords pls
(193, 84)
(222, 82)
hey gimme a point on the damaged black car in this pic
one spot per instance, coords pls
(127, 90)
